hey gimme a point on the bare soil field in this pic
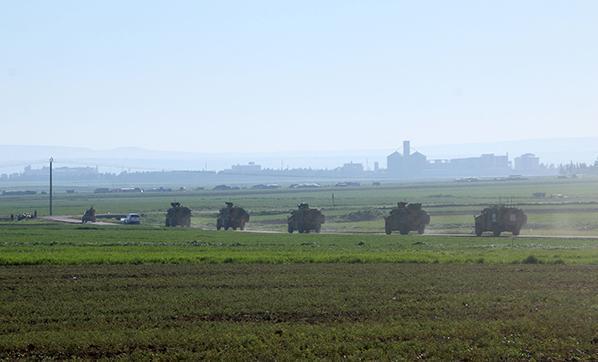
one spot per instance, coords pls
(300, 311)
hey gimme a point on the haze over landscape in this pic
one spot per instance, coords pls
(299, 180)
(551, 151)
(270, 77)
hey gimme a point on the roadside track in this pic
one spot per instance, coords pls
(71, 220)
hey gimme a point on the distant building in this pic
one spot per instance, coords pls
(486, 165)
(416, 165)
(486, 162)
(394, 162)
(31, 174)
(350, 169)
(250, 169)
(406, 165)
(527, 163)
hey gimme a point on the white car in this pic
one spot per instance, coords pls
(131, 219)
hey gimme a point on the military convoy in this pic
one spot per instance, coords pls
(178, 215)
(89, 216)
(405, 218)
(496, 219)
(305, 219)
(231, 216)
(500, 218)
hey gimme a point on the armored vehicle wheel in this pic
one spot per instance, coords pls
(242, 226)
(404, 231)
(421, 229)
(516, 232)
(290, 229)
(300, 230)
(318, 228)
(226, 227)
(478, 231)
(387, 228)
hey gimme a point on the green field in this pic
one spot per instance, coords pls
(149, 292)
(569, 208)
(72, 244)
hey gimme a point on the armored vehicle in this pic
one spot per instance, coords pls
(499, 218)
(178, 215)
(230, 216)
(305, 219)
(89, 216)
(405, 218)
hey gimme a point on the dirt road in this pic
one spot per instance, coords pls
(71, 220)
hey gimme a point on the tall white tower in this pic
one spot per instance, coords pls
(406, 148)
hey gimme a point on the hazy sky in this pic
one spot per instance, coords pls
(213, 76)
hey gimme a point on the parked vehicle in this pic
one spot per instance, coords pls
(131, 219)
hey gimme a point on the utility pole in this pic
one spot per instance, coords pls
(51, 189)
